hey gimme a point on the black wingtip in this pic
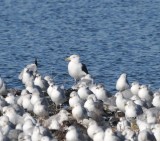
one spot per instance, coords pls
(36, 62)
(84, 68)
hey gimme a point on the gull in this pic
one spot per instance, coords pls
(27, 76)
(156, 100)
(156, 131)
(135, 88)
(110, 135)
(40, 82)
(151, 117)
(146, 135)
(31, 68)
(122, 82)
(13, 113)
(28, 127)
(74, 99)
(36, 135)
(93, 128)
(95, 109)
(10, 99)
(100, 92)
(98, 136)
(72, 134)
(145, 94)
(132, 110)
(3, 89)
(4, 125)
(79, 112)
(35, 97)
(76, 69)
(83, 92)
(50, 88)
(137, 100)
(57, 95)
(40, 108)
(26, 103)
(120, 101)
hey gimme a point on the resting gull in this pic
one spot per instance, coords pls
(72, 134)
(135, 88)
(3, 89)
(122, 82)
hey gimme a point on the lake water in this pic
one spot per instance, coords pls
(111, 36)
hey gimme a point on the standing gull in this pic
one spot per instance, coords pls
(76, 69)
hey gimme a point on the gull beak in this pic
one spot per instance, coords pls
(68, 59)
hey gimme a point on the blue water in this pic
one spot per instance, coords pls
(111, 36)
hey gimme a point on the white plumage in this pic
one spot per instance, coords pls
(83, 92)
(110, 135)
(3, 89)
(74, 99)
(79, 112)
(122, 82)
(72, 134)
(75, 68)
(135, 88)
(93, 128)
(156, 100)
(100, 92)
(57, 95)
(132, 110)
(145, 94)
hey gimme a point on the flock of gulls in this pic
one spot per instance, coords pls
(45, 111)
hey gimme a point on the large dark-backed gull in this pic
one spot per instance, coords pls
(76, 69)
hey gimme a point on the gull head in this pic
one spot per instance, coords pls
(73, 58)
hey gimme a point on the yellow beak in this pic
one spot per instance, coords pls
(68, 59)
